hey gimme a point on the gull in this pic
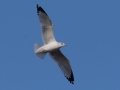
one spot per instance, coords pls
(51, 46)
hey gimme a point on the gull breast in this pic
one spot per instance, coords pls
(51, 47)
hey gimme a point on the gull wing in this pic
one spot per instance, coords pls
(47, 26)
(63, 63)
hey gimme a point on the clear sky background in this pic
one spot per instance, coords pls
(91, 30)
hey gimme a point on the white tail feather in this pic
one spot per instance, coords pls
(42, 55)
(36, 47)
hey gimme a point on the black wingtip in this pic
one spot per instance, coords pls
(39, 8)
(71, 78)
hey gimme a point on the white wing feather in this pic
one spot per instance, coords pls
(47, 26)
(63, 63)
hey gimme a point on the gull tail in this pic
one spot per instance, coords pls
(41, 55)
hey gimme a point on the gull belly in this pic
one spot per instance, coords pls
(48, 48)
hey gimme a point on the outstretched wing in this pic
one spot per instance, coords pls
(47, 26)
(63, 63)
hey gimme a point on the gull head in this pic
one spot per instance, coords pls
(61, 44)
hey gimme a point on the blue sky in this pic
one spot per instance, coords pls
(91, 30)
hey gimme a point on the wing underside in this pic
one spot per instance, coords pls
(47, 26)
(63, 63)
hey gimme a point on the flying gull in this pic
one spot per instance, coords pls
(51, 46)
